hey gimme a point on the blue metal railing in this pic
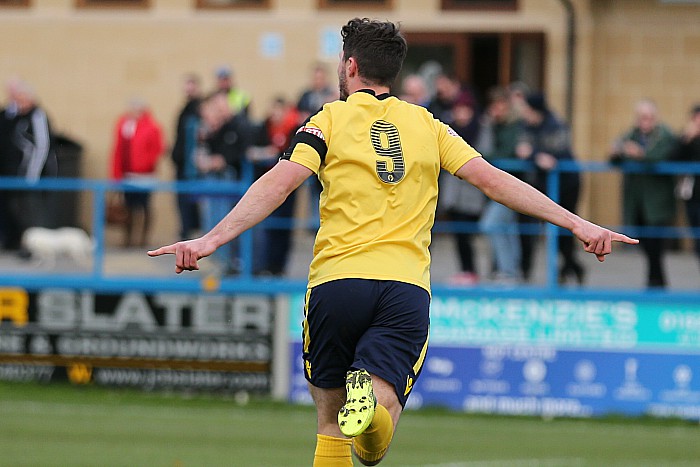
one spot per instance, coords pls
(97, 279)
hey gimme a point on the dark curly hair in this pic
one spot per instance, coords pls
(378, 48)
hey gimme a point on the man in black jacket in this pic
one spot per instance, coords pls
(688, 150)
(26, 151)
(220, 157)
(183, 152)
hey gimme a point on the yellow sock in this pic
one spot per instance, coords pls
(332, 452)
(373, 443)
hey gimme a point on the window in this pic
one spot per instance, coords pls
(20, 3)
(375, 4)
(479, 4)
(233, 4)
(113, 3)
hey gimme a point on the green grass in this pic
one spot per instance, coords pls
(62, 425)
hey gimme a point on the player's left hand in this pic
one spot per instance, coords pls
(598, 240)
(187, 253)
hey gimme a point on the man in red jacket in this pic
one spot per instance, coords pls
(138, 144)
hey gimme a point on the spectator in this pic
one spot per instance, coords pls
(318, 93)
(27, 151)
(415, 91)
(274, 136)
(500, 223)
(463, 202)
(12, 87)
(518, 91)
(9, 235)
(220, 157)
(183, 153)
(138, 144)
(238, 99)
(688, 150)
(459, 202)
(648, 199)
(447, 90)
(546, 141)
(312, 99)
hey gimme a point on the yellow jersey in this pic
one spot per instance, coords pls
(378, 159)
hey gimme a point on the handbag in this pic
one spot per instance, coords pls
(116, 211)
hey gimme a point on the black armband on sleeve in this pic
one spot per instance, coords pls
(312, 140)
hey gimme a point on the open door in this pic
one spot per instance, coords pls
(480, 60)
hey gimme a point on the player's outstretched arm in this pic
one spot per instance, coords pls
(261, 199)
(519, 196)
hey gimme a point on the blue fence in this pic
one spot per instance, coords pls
(96, 279)
(531, 349)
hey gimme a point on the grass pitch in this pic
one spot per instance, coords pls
(61, 425)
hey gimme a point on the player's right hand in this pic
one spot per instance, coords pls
(187, 253)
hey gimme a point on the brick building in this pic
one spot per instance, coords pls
(593, 58)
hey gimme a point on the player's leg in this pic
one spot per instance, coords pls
(392, 350)
(336, 316)
(386, 397)
(332, 447)
(372, 444)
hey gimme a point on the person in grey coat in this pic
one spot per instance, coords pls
(461, 202)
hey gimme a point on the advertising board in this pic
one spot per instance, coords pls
(553, 357)
(196, 341)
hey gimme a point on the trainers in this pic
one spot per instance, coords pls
(357, 413)
(464, 279)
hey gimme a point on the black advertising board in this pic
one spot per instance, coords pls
(162, 340)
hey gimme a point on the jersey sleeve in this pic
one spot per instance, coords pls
(454, 151)
(310, 143)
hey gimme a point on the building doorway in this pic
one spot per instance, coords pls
(480, 60)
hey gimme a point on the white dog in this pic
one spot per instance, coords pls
(48, 245)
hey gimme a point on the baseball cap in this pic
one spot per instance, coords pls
(223, 72)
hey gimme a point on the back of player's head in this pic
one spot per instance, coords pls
(695, 111)
(378, 48)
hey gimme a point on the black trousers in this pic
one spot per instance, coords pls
(22, 210)
(654, 249)
(692, 212)
(465, 241)
(568, 198)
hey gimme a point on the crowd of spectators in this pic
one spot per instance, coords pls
(649, 200)
(516, 124)
(216, 139)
